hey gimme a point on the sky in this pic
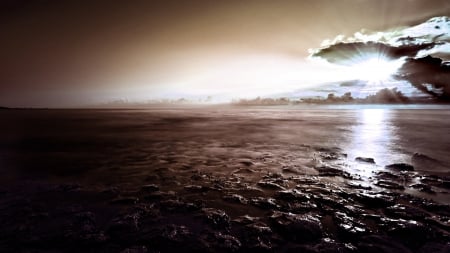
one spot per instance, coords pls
(77, 53)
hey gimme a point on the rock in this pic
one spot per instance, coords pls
(265, 203)
(400, 167)
(385, 175)
(389, 185)
(297, 227)
(299, 207)
(176, 233)
(124, 201)
(374, 200)
(270, 185)
(327, 171)
(195, 188)
(259, 228)
(135, 249)
(150, 188)
(326, 245)
(217, 218)
(257, 238)
(246, 219)
(411, 233)
(380, 244)
(246, 163)
(67, 187)
(220, 242)
(358, 186)
(332, 156)
(157, 195)
(365, 159)
(291, 195)
(445, 184)
(179, 206)
(435, 247)
(405, 212)
(169, 238)
(349, 228)
(235, 198)
(125, 228)
(423, 188)
(244, 171)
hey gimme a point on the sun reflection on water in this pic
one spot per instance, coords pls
(373, 137)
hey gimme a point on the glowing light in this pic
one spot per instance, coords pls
(376, 69)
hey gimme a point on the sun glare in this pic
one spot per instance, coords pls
(375, 69)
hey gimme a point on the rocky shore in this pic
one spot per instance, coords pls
(245, 210)
(190, 184)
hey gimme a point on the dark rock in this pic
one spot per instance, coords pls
(365, 159)
(246, 219)
(217, 218)
(405, 212)
(332, 156)
(219, 242)
(150, 188)
(297, 227)
(259, 228)
(246, 163)
(270, 185)
(176, 233)
(291, 195)
(326, 245)
(400, 167)
(160, 195)
(380, 244)
(179, 206)
(385, 175)
(195, 188)
(244, 171)
(374, 200)
(235, 198)
(423, 188)
(299, 207)
(445, 184)
(435, 247)
(169, 238)
(411, 233)
(265, 203)
(358, 186)
(124, 201)
(326, 171)
(257, 237)
(389, 185)
(124, 229)
(334, 202)
(439, 221)
(68, 187)
(135, 249)
(348, 227)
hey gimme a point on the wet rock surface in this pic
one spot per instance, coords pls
(305, 215)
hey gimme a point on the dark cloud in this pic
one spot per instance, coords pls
(349, 53)
(424, 47)
(428, 74)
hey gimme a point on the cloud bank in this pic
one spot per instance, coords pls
(425, 49)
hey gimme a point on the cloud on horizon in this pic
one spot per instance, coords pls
(425, 49)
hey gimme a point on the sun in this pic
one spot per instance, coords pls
(375, 69)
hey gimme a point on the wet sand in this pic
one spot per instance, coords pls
(225, 180)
